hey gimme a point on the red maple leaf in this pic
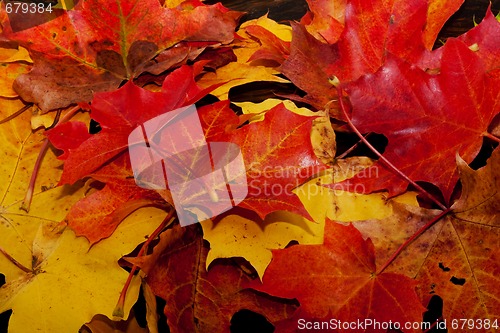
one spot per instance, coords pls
(427, 118)
(279, 157)
(372, 30)
(119, 113)
(337, 280)
(277, 154)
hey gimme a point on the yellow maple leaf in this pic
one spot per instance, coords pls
(242, 71)
(54, 281)
(13, 62)
(67, 281)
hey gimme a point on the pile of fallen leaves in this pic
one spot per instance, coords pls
(323, 236)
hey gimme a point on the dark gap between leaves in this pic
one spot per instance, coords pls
(278, 10)
(347, 140)
(246, 321)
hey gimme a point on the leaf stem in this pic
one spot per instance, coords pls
(25, 205)
(17, 113)
(15, 262)
(491, 136)
(382, 158)
(412, 238)
(119, 308)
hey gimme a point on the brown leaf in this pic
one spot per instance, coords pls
(197, 300)
(458, 257)
(98, 44)
(480, 200)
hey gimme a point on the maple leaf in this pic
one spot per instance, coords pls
(259, 39)
(372, 29)
(119, 113)
(56, 265)
(325, 20)
(197, 300)
(73, 280)
(457, 257)
(272, 168)
(279, 157)
(338, 280)
(98, 44)
(354, 41)
(426, 118)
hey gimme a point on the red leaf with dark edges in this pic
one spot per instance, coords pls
(337, 280)
(100, 43)
(197, 300)
(427, 118)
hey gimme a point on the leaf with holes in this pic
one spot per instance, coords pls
(427, 118)
(199, 300)
(457, 257)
